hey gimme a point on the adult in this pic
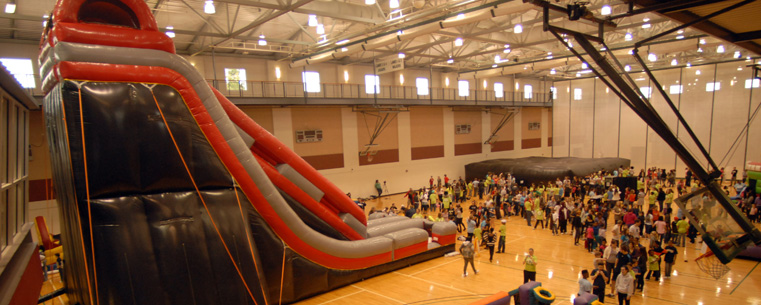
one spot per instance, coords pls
(599, 279)
(468, 252)
(584, 284)
(669, 257)
(734, 175)
(529, 271)
(622, 259)
(624, 286)
(378, 188)
(502, 236)
(471, 227)
(681, 228)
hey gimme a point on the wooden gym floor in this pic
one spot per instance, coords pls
(440, 280)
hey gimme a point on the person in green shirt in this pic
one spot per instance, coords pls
(681, 228)
(502, 236)
(378, 188)
(529, 270)
(446, 201)
(433, 198)
(654, 265)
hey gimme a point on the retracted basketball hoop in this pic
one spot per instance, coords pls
(370, 151)
(709, 263)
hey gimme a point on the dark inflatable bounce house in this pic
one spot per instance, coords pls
(543, 169)
(170, 194)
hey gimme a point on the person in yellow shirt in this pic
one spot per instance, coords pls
(502, 236)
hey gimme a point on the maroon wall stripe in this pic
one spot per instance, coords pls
(383, 156)
(503, 145)
(531, 143)
(41, 189)
(467, 149)
(325, 161)
(427, 152)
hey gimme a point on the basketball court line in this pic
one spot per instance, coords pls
(746, 276)
(373, 292)
(434, 267)
(341, 297)
(436, 283)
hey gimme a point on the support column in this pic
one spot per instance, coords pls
(405, 137)
(485, 132)
(518, 132)
(350, 138)
(448, 132)
(282, 123)
(545, 124)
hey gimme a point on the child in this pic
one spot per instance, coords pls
(654, 265)
(589, 244)
(599, 279)
(554, 221)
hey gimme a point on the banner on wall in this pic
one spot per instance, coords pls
(389, 65)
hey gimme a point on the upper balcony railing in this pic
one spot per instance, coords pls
(270, 89)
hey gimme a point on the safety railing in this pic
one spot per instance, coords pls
(269, 89)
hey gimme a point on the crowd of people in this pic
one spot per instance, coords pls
(640, 240)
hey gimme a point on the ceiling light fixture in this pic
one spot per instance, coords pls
(460, 16)
(606, 10)
(628, 37)
(340, 42)
(320, 29)
(497, 59)
(494, 65)
(369, 2)
(689, 65)
(679, 36)
(674, 62)
(344, 49)
(700, 50)
(209, 8)
(553, 71)
(312, 20)
(697, 72)
(518, 29)
(262, 41)
(393, 3)
(738, 54)
(702, 41)
(401, 55)
(584, 65)
(169, 31)
(458, 42)
(507, 51)
(720, 49)
(10, 7)
(578, 74)
(627, 68)
(646, 26)
(652, 57)
(450, 60)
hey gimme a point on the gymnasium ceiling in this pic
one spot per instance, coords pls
(358, 33)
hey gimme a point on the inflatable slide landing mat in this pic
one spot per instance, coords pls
(171, 195)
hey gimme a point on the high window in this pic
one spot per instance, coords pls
(235, 79)
(422, 85)
(372, 84)
(499, 90)
(311, 81)
(463, 88)
(22, 70)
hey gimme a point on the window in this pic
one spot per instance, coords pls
(646, 91)
(22, 70)
(311, 81)
(462, 129)
(235, 79)
(676, 89)
(576, 94)
(14, 129)
(463, 88)
(710, 87)
(499, 90)
(308, 136)
(372, 84)
(422, 85)
(527, 92)
(752, 83)
(554, 93)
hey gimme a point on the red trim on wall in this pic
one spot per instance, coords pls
(41, 189)
(503, 145)
(28, 289)
(467, 149)
(410, 250)
(383, 156)
(325, 161)
(427, 152)
(531, 143)
(549, 141)
(159, 75)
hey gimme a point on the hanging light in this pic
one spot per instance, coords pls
(697, 72)
(652, 57)
(320, 29)
(700, 50)
(628, 37)
(450, 60)
(458, 42)
(605, 11)
(674, 62)
(584, 65)
(679, 36)
(627, 68)
(460, 16)
(169, 31)
(10, 7)
(578, 74)
(702, 41)
(738, 54)
(312, 20)
(494, 65)
(340, 42)
(689, 65)
(646, 26)
(720, 49)
(631, 52)
(497, 58)
(401, 55)
(344, 49)
(553, 71)
(209, 7)
(393, 4)
(262, 41)
(369, 2)
(507, 51)
(518, 29)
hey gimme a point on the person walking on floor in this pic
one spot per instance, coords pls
(670, 258)
(584, 284)
(490, 239)
(468, 252)
(378, 188)
(502, 236)
(529, 271)
(624, 286)
(599, 277)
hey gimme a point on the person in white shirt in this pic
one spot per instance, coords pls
(584, 284)
(624, 286)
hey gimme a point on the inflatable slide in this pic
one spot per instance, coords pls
(169, 194)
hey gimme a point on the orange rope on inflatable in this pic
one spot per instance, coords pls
(282, 275)
(192, 180)
(248, 238)
(87, 190)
